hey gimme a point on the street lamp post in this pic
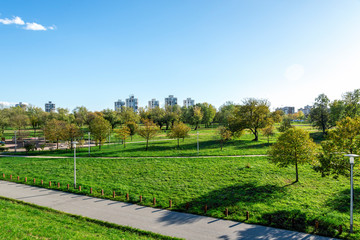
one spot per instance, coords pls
(89, 143)
(74, 145)
(198, 142)
(351, 156)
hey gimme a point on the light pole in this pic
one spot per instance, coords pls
(351, 156)
(198, 142)
(74, 145)
(89, 143)
(15, 141)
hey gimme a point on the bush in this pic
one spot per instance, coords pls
(29, 146)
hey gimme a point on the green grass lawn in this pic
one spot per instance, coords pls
(27, 221)
(239, 184)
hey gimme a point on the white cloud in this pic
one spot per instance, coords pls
(15, 20)
(35, 27)
(28, 25)
(294, 72)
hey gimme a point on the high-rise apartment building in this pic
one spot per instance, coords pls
(189, 102)
(132, 102)
(49, 107)
(170, 101)
(153, 103)
(118, 104)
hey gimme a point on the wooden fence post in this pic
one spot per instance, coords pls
(68, 186)
(91, 190)
(113, 194)
(58, 185)
(226, 212)
(247, 215)
(49, 183)
(42, 182)
(25, 179)
(102, 192)
(140, 198)
(205, 208)
(154, 201)
(34, 180)
(10, 176)
(127, 196)
(79, 188)
(316, 225)
(18, 178)
(170, 203)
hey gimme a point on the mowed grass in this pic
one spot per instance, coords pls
(26, 221)
(239, 184)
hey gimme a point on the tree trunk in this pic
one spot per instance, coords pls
(297, 174)
(178, 142)
(221, 145)
(256, 136)
(147, 142)
(57, 144)
(124, 143)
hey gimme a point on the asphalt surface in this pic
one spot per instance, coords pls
(161, 221)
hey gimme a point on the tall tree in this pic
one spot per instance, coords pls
(72, 132)
(352, 103)
(157, 115)
(320, 113)
(81, 115)
(100, 129)
(225, 113)
(224, 135)
(268, 131)
(253, 114)
(293, 147)
(18, 118)
(196, 116)
(122, 133)
(35, 115)
(148, 131)
(4, 119)
(209, 112)
(179, 130)
(55, 130)
(111, 116)
(344, 139)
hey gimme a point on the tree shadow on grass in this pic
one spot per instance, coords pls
(230, 197)
(341, 201)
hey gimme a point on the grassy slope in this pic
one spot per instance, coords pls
(240, 184)
(24, 221)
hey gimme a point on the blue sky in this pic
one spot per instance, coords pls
(91, 53)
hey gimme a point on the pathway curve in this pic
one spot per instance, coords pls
(161, 221)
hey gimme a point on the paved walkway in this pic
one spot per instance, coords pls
(161, 221)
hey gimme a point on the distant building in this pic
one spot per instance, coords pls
(287, 110)
(306, 110)
(20, 104)
(189, 102)
(170, 101)
(132, 102)
(118, 104)
(153, 103)
(49, 107)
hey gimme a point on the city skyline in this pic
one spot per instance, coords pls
(211, 51)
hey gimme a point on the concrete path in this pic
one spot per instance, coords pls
(161, 221)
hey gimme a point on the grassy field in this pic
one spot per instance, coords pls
(26, 221)
(239, 184)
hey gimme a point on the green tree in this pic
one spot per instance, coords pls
(337, 111)
(292, 147)
(122, 133)
(225, 113)
(320, 113)
(132, 127)
(128, 115)
(209, 112)
(18, 118)
(179, 130)
(253, 114)
(344, 139)
(55, 130)
(352, 103)
(268, 131)
(157, 115)
(72, 132)
(81, 115)
(100, 129)
(285, 124)
(196, 116)
(112, 117)
(148, 131)
(4, 119)
(35, 115)
(172, 115)
(224, 135)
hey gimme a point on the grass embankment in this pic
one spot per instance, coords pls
(26, 221)
(239, 184)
